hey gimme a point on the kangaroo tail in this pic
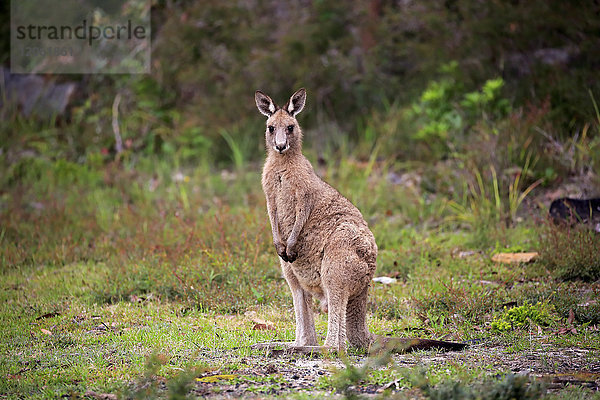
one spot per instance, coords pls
(406, 345)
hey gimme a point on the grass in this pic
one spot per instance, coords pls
(569, 251)
(134, 283)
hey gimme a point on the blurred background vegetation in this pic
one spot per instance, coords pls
(426, 80)
(457, 114)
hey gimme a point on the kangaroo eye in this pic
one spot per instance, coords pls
(290, 128)
(271, 128)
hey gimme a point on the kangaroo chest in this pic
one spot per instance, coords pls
(285, 202)
(286, 191)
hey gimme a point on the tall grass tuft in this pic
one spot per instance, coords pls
(488, 204)
(571, 252)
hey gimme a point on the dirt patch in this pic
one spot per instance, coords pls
(546, 359)
(557, 367)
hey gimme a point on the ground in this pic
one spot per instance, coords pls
(140, 291)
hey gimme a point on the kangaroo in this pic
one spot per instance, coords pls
(325, 246)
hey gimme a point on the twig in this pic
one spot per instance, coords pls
(115, 124)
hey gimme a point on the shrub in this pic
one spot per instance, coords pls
(445, 109)
(521, 316)
(508, 387)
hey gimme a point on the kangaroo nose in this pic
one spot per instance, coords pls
(280, 147)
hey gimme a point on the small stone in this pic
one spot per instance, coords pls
(515, 258)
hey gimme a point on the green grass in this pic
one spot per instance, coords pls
(126, 282)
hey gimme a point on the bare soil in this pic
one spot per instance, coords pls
(273, 376)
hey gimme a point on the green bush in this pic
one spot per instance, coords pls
(509, 387)
(445, 111)
(522, 316)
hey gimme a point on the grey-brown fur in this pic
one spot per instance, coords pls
(326, 248)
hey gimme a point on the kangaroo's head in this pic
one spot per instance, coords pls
(283, 134)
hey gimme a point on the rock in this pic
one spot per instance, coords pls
(33, 95)
(386, 280)
(515, 258)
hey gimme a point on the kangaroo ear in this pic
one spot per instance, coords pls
(264, 103)
(296, 102)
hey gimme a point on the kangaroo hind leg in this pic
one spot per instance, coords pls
(306, 335)
(356, 321)
(337, 301)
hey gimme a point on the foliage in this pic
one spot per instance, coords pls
(444, 110)
(208, 59)
(496, 206)
(508, 387)
(149, 385)
(518, 317)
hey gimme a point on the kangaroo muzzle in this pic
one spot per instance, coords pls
(281, 143)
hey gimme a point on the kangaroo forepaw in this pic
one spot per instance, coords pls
(291, 255)
(291, 251)
(281, 251)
